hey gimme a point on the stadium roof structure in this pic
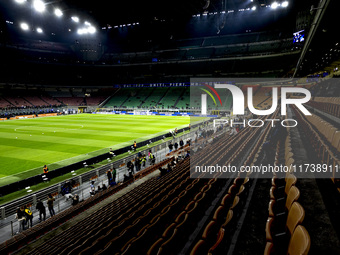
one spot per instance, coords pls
(138, 38)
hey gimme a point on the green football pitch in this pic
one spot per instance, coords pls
(27, 144)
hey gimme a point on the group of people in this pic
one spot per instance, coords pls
(175, 145)
(140, 161)
(169, 167)
(93, 190)
(25, 215)
(111, 177)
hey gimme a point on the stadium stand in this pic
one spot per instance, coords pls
(188, 209)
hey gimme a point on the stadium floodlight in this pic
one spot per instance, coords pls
(20, 1)
(285, 4)
(87, 23)
(91, 30)
(253, 8)
(39, 5)
(39, 30)
(58, 12)
(75, 19)
(274, 5)
(24, 26)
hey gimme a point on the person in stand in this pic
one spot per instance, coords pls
(104, 186)
(75, 199)
(42, 210)
(130, 166)
(162, 170)
(143, 160)
(181, 143)
(92, 189)
(21, 219)
(29, 217)
(176, 146)
(151, 158)
(130, 176)
(109, 177)
(171, 147)
(114, 175)
(140, 162)
(50, 202)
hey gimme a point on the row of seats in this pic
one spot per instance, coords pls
(193, 202)
(333, 100)
(184, 223)
(328, 106)
(124, 215)
(173, 237)
(284, 232)
(327, 153)
(327, 130)
(217, 234)
(31, 234)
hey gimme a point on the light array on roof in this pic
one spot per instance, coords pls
(58, 12)
(120, 26)
(40, 6)
(274, 6)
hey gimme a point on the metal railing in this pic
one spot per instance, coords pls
(158, 151)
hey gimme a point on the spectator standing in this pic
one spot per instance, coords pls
(171, 147)
(144, 160)
(92, 189)
(136, 165)
(21, 219)
(42, 210)
(29, 217)
(130, 166)
(151, 158)
(140, 161)
(176, 146)
(181, 143)
(109, 177)
(114, 175)
(50, 202)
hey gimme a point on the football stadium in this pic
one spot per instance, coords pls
(188, 127)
